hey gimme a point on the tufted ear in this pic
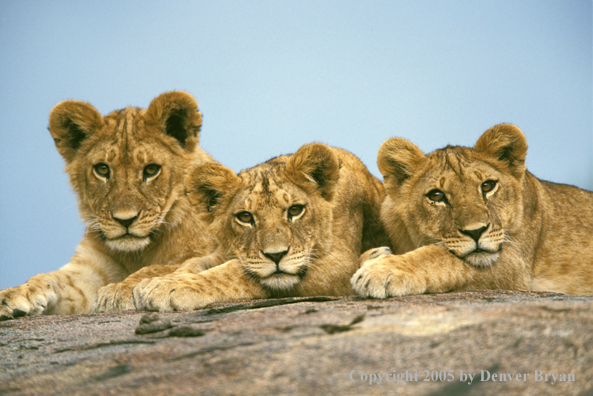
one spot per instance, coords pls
(507, 144)
(316, 168)
(397, 159)
(70, 123)
(176, 114)
(208, 184)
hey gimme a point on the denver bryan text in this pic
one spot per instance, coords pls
(402, 377)
(538, 376)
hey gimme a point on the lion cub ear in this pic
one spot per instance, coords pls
(176, 114)
(316, 168)
(70, 123)
(208, 184)
(397, 160)
(507, 144)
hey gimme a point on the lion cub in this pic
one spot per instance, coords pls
(128, 170)
(293, 226)
(477, 219)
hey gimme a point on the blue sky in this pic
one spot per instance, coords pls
(272, 75)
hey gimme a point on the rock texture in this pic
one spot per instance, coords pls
(323, 345)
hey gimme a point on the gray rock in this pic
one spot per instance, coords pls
(508, 342)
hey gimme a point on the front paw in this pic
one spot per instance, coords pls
(32, 298)
(171, 293)
(115, 297)
(374, 253)
(381, 278)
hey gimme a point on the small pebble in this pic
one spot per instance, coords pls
(152, 323)
(185, 331)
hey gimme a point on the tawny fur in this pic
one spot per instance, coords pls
(529, 234)
(293, 226)
(129, 165)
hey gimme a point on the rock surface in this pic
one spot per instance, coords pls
(322, 345)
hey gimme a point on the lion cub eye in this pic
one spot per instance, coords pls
(151, 171)
(488, 186)
(102, 170)
(245, 217)
(437, 196)
(295, 210)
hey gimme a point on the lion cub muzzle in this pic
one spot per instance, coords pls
(275, 256)
(127, 218)
(126, 231)
(475, 233)
(275, 244)
(283, 268)
(476, 244)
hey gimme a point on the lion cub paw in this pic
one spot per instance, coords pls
(381, 278)
(169, 293)
(115, 297)
(374, 253)
(32, 298)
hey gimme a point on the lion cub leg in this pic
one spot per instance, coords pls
(188, 291)
(119, 296)
(429, 269)
(69, 290)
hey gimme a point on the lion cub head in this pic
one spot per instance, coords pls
(468, 200)
(273, 217)
(128, 167)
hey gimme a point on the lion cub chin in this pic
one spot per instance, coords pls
(293, 226)
(482, 221)
(128, 170)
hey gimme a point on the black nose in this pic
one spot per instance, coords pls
(126, 222)
(276, 257)
(475, 234)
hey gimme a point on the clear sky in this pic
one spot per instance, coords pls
(273, 75)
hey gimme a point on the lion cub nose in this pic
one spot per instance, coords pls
(276, 256)
(125, 219)
(476, 233)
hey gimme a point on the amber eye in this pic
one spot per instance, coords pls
(151, 171)
(245, 217)
(102, 170)
(437, 196)
(295, 210)
(488, 186)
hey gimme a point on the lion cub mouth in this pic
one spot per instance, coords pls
(128, 242)
(281, 280)
(300, 273)
(481, 258)
(279, 275)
